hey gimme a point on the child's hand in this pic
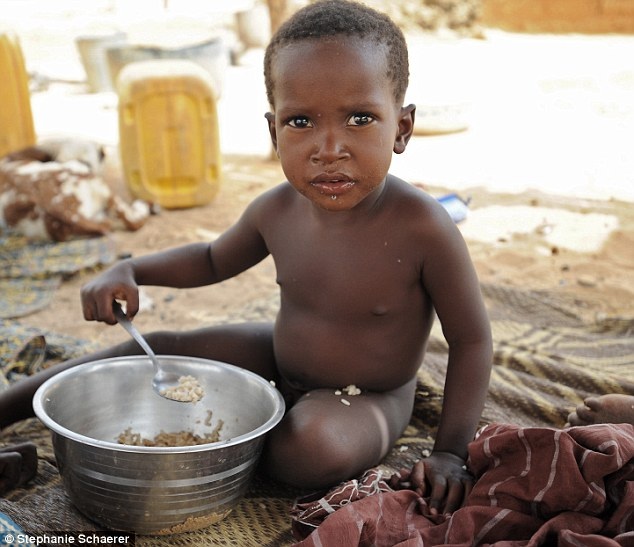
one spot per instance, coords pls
(116, 283)
(442, 478)
(18, 464)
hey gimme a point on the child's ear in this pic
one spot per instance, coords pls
(405, 128)
(270, 118)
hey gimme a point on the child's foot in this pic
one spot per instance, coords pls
(614, 408)
(18, 465)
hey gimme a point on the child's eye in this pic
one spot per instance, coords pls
(299, 122)
(360, 119)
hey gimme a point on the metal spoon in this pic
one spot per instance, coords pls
(162, 380)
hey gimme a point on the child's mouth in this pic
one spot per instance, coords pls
(332, 186)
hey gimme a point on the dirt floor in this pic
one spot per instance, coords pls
(569, 230)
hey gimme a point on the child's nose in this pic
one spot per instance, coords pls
(330, 146)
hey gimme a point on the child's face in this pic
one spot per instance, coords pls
(336, 121)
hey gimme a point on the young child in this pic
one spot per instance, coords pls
(364, 261)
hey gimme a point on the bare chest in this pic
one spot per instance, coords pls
(352, 276)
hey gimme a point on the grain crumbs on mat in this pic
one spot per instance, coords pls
(194, 523)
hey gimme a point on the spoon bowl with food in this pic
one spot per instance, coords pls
(185, 389)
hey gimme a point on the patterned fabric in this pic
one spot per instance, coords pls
(534, 486)
(9, 531)
(546, 359)
(25, 350)
(310, 511)
(31, 272)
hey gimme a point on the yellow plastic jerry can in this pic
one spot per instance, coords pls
(168, 132)
(16, 118)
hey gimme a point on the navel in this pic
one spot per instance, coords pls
(379, 310)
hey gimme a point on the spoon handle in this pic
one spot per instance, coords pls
(132, 330)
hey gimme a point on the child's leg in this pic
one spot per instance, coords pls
(322, 441)
(247, 345)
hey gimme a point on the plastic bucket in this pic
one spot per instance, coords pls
(16, 118)
(92, 52)
(168, 132)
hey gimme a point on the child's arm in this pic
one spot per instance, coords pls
(192, 265)
(451, 281)
(443, 476)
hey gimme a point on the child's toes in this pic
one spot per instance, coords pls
(585, 415)
(592, 403)
(573, 419)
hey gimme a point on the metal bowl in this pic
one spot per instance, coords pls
(149, 489)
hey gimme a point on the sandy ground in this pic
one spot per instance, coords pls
(546, 160)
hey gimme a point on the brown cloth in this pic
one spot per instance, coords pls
(534, 486)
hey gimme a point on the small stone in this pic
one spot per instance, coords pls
(587, 281)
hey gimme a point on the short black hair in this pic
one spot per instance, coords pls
(343, 17)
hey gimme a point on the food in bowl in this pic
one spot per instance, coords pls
(181, 438)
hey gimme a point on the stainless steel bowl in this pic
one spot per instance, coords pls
(155, 490)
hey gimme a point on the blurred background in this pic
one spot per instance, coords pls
(511, 94)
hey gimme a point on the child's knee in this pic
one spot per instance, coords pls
(313, 455)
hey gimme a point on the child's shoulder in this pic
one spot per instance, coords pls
(411, 197)
(271, 203)
(407, 190)
(278, 195)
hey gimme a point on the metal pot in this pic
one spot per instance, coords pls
(149, 489)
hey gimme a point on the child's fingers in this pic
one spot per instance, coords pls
(457, 492)
(400, 479)
(418, 476)
(438, 495)
(468, 486)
